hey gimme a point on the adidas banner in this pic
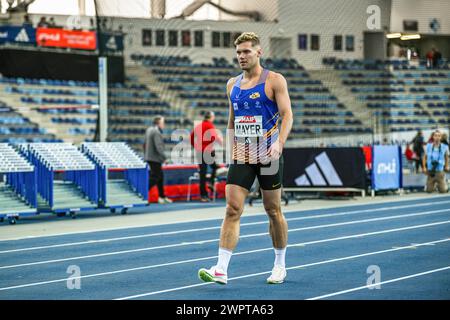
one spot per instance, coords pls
(21, 35)
(111, 42)
(324, 167)
(386, 168)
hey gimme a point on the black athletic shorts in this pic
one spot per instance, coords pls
(243, 174)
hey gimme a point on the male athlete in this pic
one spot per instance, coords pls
(257, 98)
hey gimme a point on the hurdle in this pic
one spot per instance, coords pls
(66, 179)
(123, 175)
(18, 192)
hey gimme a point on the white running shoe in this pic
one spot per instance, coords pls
(278, 275)
(167, 200)
(213, 275)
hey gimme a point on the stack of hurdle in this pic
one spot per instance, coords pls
(66, 179)
(18, 190)
(130, 189)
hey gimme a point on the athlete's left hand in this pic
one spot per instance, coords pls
(275, 150)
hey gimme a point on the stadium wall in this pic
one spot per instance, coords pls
(290, 18)
(423, 11)
(327, 19)
(321, 17)
(267, 8)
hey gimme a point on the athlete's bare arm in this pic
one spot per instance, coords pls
(230, 85)
(281, 97)
(230, 126)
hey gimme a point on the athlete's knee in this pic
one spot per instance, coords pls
(233, 210)
(273, 211)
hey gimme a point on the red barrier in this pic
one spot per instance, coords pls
(61, 38)
(367, 150)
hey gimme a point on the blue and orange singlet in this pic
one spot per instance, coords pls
(255, 121)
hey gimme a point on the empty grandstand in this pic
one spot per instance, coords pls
(358, 93)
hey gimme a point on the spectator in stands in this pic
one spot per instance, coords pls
(429, 57)
(52, 23)
(154, 155)
(436, 163)
(26, 21)
(437, 56)
(202, 139)
(43, 23)
(418, 142)
(444, 139)
(92, 25)
(103, 25)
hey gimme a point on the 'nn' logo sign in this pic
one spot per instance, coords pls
(390, 167)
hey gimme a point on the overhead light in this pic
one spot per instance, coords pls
(393, 35)
(410, 37)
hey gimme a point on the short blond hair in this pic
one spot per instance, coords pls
(247, 36)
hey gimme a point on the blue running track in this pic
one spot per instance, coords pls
(329, 255)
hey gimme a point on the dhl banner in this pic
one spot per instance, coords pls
(85, 40)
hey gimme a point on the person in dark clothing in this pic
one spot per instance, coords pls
(52, 23)
(444, 139)
(43, 23)
(154, 155)
(418, 142)
(437, 56)
(26, 21)
(92, 25)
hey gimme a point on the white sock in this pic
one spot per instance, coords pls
(280, 257)
(224, 259)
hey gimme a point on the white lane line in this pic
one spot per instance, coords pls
(211, 228)
(354, 222)
(290, 268)
(200, 242)
(301, 244)
(380, 283)
(247, 215)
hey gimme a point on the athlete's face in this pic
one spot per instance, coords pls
(248, 55)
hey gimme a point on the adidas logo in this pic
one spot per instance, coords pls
(22, 36)
(111, 44)
(321, 174)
